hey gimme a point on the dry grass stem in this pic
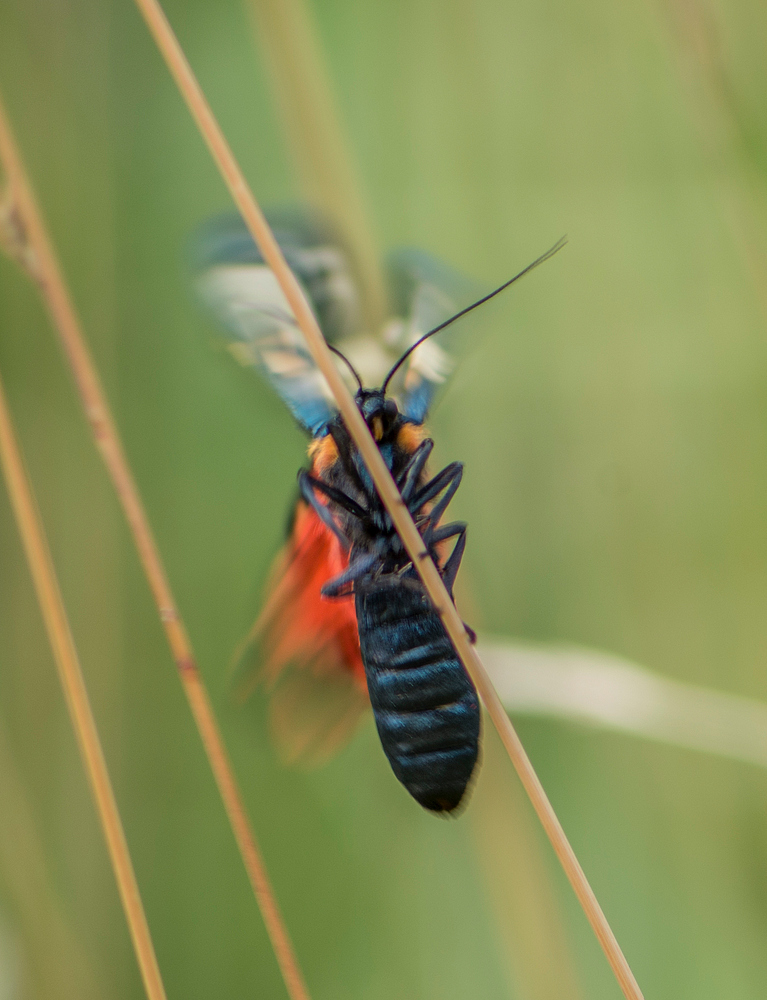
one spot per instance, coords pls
(531, 931)
(48, 274)
(254, 218)
(70, 674)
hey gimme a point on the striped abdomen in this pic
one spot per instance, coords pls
(425, 706)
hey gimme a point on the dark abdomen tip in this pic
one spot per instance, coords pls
(425, 706)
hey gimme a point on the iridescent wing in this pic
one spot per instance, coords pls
(426, 292)
(243, 293)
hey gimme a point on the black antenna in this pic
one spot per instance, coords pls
(549, 253)
(348, 364)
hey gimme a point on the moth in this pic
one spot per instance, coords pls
(347, 620)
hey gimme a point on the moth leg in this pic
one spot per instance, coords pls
(343, 442)
(337, 496)
(450, 569)
(352, 572)
(448, 480)
(306, 485)
(433, 534)
(412, 471)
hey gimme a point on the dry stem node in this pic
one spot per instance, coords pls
(259, 229)
(13, 235)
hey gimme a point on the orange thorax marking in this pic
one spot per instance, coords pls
(323, 453)
(410, 436)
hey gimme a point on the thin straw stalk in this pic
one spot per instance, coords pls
(34, 247)
(385, 485)
(70, 675)
(518, 882)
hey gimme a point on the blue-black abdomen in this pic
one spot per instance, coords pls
(426, 708)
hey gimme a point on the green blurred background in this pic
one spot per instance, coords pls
(613, 421)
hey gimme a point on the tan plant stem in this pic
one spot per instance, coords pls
(48, 275)
(387, 490)
(70, 675)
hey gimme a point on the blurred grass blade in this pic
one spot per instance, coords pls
(73, 684)
(319, 149)
(605, 691)
(29, 227)
(700, 46)
(56, 962)
(533, 939)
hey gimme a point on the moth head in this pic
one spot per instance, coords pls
(380, 412)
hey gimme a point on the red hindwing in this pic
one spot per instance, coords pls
(309, 646)
(298, 626)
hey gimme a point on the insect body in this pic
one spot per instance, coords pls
(425, 706)
(347, 618)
